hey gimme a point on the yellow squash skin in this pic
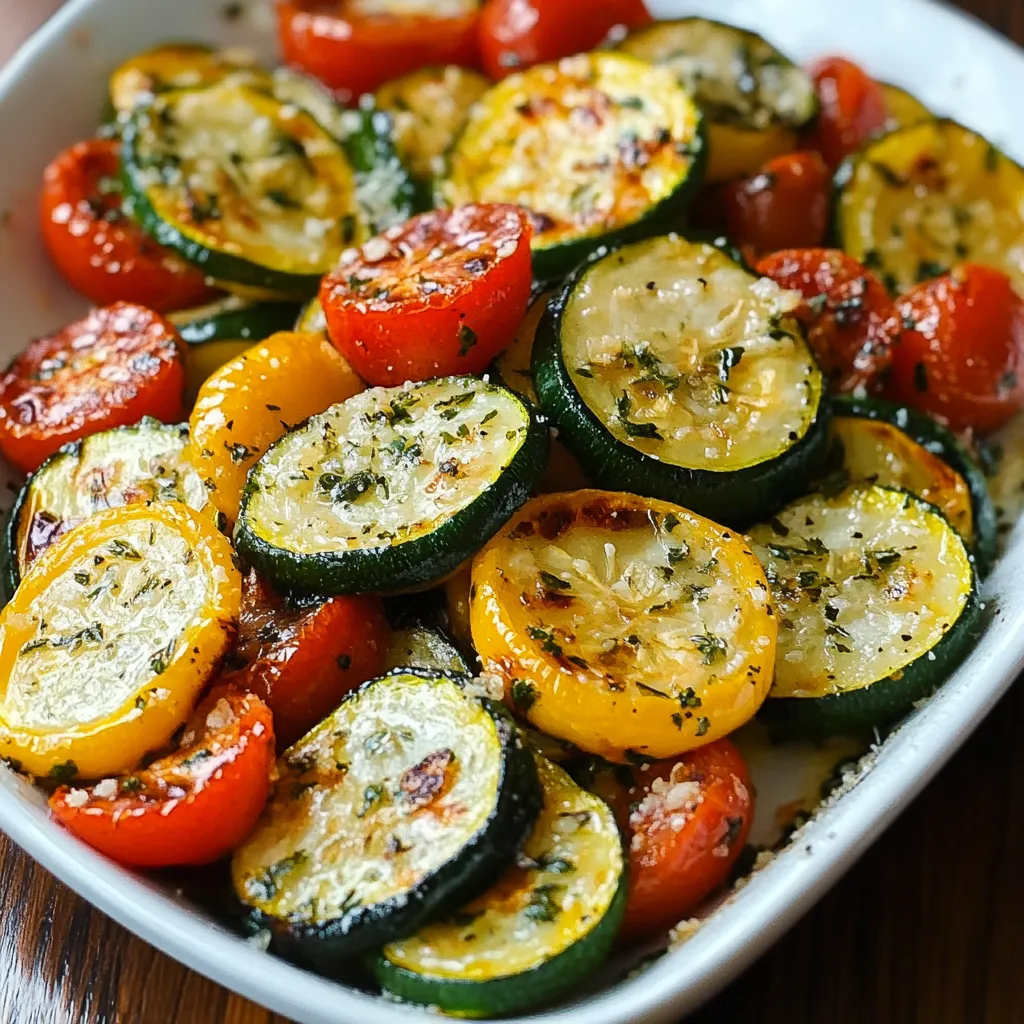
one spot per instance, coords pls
(255, 399)
(100, 658)
(625, 625)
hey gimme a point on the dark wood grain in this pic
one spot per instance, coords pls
(927, 929)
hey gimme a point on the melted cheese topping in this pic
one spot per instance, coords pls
(621, 623)
(686, 357)
(386, 466)
(735, 76)
(429, 108)
(880, 453)
(560, 889)
(588, 145)
(928, 197)
(114, 468)
(864, 584)
(374, 800)
(110, 622)
(246, 175)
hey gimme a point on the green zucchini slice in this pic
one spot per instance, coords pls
(877, 602)
(429, 108)
(289, 86)
(177, 66)
(145, 462)
(671, 370)
(252, 190)
(424, 647)
(540, 932)
(233, 319)
(391, 490)
(940, 441)
(918, 200)
(599, 147)
(410, 800)
(754, 98)
(312, 319)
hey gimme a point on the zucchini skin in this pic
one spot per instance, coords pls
(734, 499)
(552, 263)
(411, 565)
(941, 442)
(504, 996)
(479, 865)
(250, 322)
(884, 701)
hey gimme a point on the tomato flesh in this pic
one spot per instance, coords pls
(785, 205)
(441, 294)
(685, 821)
(353, 52)
(851, 322)
(302, 661)
(117, 365)
(192, 807)
(853, 108)
(961, 356)
(516, 34)
(100, 251)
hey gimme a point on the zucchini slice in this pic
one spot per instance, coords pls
(312, 319)
(541, 931)
(424, 647)
(599, 147)
(252, 190)
(111, 638)
(877, 602)
(627, 626)
(921, 199)
(876, 452)
(393, 489)
(667, 367)
(940, 441)
(755, 99)
(177, 66)
(290, 86)
(904, 109)
(429, 108)
(411, 799)
(145, 462)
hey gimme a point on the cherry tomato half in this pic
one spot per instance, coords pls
(961, 357)
(98, 250)
(441, 294)
(853, 109)
(353, 50)
(515, 34)
(109, 370)
(192, 807)
(686, 821)
(851, 322)
(785, 205)
(302, 661)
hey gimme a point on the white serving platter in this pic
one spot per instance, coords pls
(50, 96)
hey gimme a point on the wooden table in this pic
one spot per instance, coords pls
(927, 929)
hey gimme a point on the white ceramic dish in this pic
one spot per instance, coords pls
(50, 95)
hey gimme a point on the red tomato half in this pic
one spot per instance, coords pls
(441, 294)
(962, 357)
(853, 108)
(97, 249)
(515, 34)
(192, 807)
(686, 821)
(785, 205)
(108, 370)
(354, 53)
(302, 661)
(851, 323)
